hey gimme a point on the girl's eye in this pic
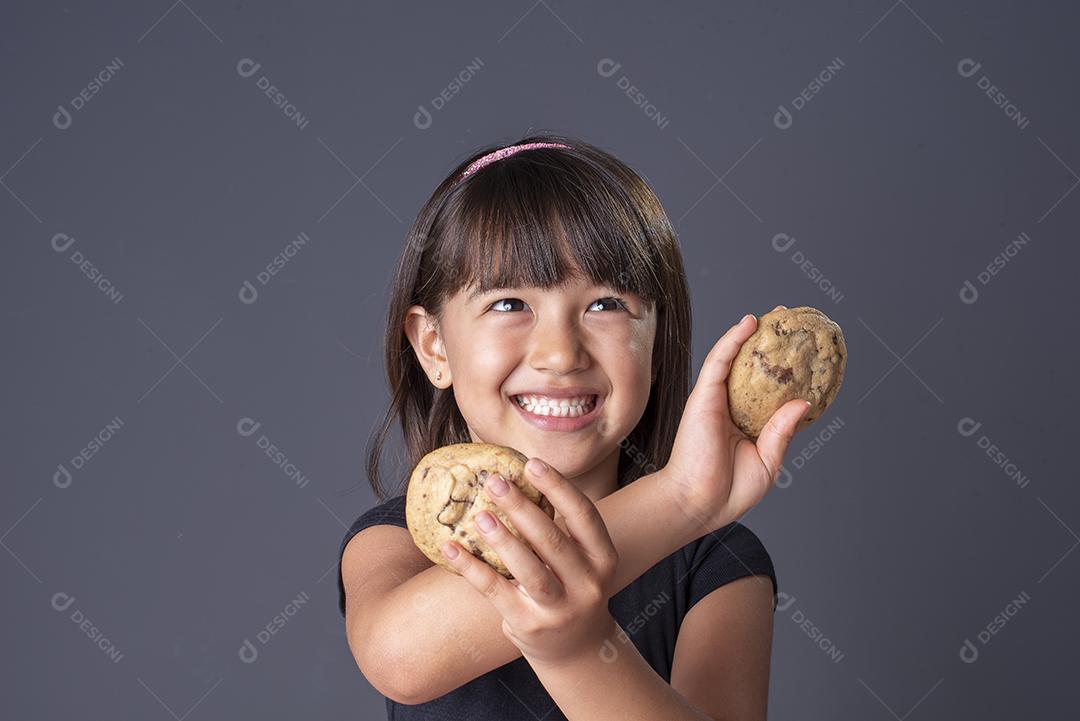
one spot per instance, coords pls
(618, 303)
(614, 304)
(505, 300)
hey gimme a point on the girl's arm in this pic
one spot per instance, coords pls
(418, 632)
(721, 667)
(614, 685)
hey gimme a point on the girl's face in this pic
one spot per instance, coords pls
(588, 339)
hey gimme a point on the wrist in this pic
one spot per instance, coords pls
(599, 646)
(699, 512)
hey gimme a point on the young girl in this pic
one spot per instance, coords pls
(540, 303)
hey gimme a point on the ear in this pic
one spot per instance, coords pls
(423, 333)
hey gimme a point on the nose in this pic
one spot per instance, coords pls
(557, 346)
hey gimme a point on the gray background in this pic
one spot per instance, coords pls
(896, 540)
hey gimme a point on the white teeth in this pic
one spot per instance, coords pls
(559, 407)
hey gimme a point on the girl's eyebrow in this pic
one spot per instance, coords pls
(476, 292)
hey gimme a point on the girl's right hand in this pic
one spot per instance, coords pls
(720, 472)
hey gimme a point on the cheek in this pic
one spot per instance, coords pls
(629, 369)
(480, 362)
(640, 345)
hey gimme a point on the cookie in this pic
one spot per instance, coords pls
(446, 491)
(794, 353)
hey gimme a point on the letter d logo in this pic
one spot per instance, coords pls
(783, 238)
(783, 478)
(247, 426)
(61, 242)
(422, 118)
(968, 426)
(248, 653)
(247, 67)
(969, 293)
(62, 601)
(248, 293)
(608, 652)
(968, 652)
(607, 67)
(62, 118)
(782, 119)
(62, 477)
(967, 67)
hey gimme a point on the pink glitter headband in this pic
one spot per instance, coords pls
(505, 152)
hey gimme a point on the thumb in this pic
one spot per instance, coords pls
(717, 364)
(775, 437)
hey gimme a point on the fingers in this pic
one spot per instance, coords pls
(548, 541)
(583, 521)
(483, 578)
(717, 364)
(529, 571)
(773, 441)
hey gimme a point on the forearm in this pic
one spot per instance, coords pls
(613, 682)
(647, 521)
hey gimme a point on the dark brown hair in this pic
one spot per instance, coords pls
(535, 218)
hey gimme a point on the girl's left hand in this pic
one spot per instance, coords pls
(720, 471)
(554, 611)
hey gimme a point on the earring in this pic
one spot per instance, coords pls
(438, 375)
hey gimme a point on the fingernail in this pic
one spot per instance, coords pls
(449, 550)
(486, 521)
(748, 315)
(497, 486)
(537, 467)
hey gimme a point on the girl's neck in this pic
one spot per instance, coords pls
(600, 480)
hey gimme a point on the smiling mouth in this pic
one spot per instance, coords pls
(557, 407)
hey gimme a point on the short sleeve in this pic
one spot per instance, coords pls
(390, 513)
(725, 555)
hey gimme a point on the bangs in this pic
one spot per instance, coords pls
(542, 218)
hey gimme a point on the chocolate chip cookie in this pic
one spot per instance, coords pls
(446, 491)
(794, 353)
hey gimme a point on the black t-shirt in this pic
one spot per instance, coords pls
(650, 610)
